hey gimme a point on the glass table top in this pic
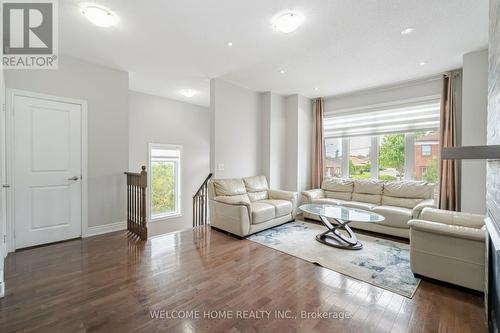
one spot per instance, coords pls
(342, 213)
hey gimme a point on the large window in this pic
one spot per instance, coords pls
(334, 158)
(390, 141)
(164, 166)
(392, 156)
(360, 166)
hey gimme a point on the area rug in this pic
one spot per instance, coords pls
(383, 263)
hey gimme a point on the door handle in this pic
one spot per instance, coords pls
(75, 178)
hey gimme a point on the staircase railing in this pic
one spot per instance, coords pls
(136, 203)
(200, 204)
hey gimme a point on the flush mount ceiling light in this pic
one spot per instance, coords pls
(100, 16)
(229, 44)
(188, 92)
(288, 21)
(422, 63)
(407, 31)
(316, 89)
(282, 71)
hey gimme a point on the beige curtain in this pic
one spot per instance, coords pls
(448, 172)
(318, 143)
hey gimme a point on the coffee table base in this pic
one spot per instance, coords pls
(333, 236)
(333, 241)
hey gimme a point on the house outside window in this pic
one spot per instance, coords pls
(164, 181)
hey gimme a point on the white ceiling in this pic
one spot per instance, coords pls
(343, 46)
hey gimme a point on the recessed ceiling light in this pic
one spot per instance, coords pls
(188, 92)
(99, 15)
(282, 71)
(407, 31)
(229, 44)
(316, 89)
(288, 21)
(422, 63)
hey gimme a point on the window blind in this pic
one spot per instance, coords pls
(400, 116)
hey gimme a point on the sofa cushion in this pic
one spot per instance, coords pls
(375, 199)
(281, 207)
(409, 189)
(337, 185)
(400, 202)
(359, 205)
(229, 187)
(262, 212)
(338, 195)
(328, 201)
(256, 196)
(396, 217)
(256, 183)
(368, 186)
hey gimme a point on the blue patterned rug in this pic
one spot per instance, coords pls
(383, 263)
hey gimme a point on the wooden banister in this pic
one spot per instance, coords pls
(137, 184)
(200, 204)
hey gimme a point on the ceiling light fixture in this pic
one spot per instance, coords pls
(229, 44)
(288, 21)
(188, 92)
(282, 71)
(99, 15)
(422, 63)
(316, 89)
(407, 31)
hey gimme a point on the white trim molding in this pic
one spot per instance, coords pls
(105, 228)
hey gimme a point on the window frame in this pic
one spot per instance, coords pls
(375, 151)
(426, 153)
(178, 198)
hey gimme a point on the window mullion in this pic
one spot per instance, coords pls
(409, 156)
(345, 161)
(374, 152)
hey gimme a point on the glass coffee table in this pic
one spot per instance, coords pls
(336, 218)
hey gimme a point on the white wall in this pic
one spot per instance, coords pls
(298, 143)
(305, 143)
(237, 132)
(106, 91)
(159, 120)
(474, 129)
(291, 130)
(274, 136)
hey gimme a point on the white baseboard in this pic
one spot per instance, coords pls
(105, 228)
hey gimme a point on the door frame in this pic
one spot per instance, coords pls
(9, 145)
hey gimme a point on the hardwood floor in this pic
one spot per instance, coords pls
(110, 283)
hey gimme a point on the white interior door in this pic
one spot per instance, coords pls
(47, 168)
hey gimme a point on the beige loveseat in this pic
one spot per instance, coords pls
(449, 246)
(244, 206)
(397, 201)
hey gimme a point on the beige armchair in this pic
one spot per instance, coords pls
(449, 246)
(244, 206)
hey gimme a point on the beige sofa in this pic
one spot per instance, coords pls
(397, 201)
(244, 206)
(449, 246)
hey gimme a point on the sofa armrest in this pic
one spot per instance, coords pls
(417, 210)
(455, 231)
(309, 195)
(285, 195)
(234, 201)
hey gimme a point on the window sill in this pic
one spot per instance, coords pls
(165, 217)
